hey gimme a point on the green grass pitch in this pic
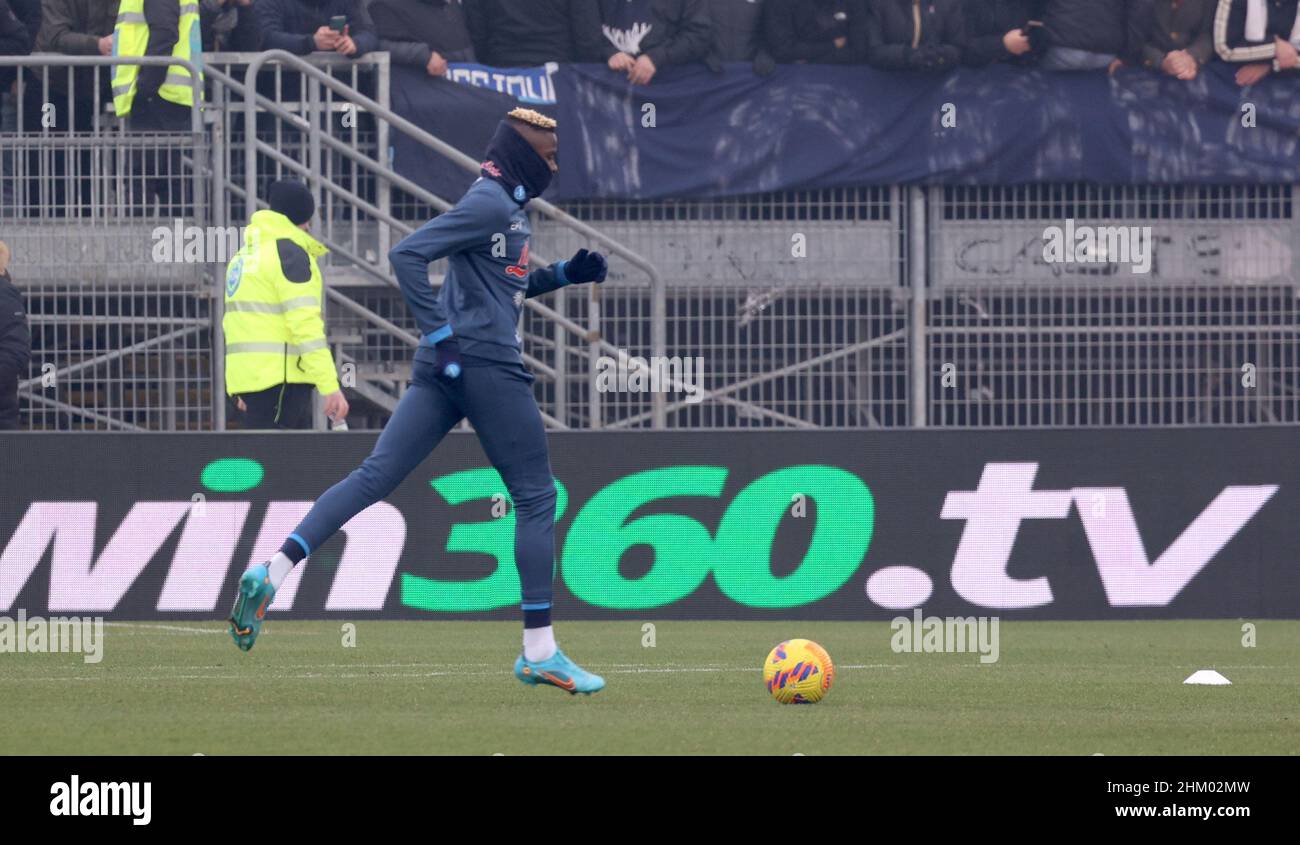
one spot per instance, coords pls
(1072, 688)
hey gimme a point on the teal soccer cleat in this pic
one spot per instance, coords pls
(255, 593)
(558, 671)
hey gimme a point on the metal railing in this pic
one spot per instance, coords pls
(791, 300)
(90, 207)
(590, 334)
(856, 308)
(1209, 334)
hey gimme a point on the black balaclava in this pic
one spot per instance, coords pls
(514, 164)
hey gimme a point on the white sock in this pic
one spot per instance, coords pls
(280, 567)
(539, 643)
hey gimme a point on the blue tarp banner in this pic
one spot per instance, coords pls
(694, 133)
(531, 85)
(463, 115)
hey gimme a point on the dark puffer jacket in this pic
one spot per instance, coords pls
(1098, 26)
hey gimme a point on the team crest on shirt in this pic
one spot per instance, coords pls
(520, 193)
(519, 299)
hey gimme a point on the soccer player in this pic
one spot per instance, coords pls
(468, 365)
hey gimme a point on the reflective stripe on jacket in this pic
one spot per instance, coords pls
(131, 38)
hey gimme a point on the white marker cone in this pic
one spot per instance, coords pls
(1207, 676)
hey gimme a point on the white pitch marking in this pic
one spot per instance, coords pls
(453, 670)
(154, 627)
(180, 630)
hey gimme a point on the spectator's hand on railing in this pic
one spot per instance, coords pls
(346, 46)
(643, 70)
(106, 45)
(1016, 42)
(326, 39)
(1287, 56)
(621, 62)
(437, 65)
(1248, 75)
(1179, 64)
(1115, 66)
(336, 406)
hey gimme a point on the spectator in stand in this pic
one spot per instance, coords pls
(229, 26)
(77, 28)
(15, 344)
(528, 33)
(914, 35)
(1262, 35)
(738, 35)
(303, 26)
(74, 28)
(816, 31)
(1085, 35)
(15, 40)
(1173, 36)
(999, 31)
(423, 33)
(247, 34)
(217, 19)
(157, 98)
(19, 22)
(644, 36)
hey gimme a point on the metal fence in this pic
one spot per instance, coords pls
(1207, 335)
(790, 302)
(861, 308)
(97, 217)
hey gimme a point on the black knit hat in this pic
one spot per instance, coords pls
(292, 199)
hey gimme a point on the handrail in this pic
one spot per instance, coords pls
(658, 291)
(357, 309)
(252, 101)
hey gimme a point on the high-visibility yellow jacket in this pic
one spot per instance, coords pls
(131, 38)
(273, 326)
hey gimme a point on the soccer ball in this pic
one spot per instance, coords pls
(798, 672)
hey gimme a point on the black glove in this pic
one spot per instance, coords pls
(764, 64)
(586, 267)
(447, 360)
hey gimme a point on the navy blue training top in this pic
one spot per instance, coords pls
(485, 239)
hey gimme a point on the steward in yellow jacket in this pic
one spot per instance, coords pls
(276, 350)
(157, 96)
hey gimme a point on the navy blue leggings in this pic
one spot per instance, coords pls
(498, 400)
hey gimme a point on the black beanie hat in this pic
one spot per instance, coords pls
(292, 199)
